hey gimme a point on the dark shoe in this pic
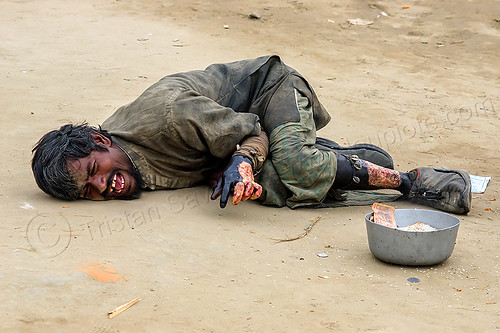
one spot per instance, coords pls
(447, 190)
(364, 151)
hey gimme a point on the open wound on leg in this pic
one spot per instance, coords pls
(382, 177)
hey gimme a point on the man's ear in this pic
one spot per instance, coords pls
(101, 139)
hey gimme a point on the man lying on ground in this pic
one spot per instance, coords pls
(224, 125)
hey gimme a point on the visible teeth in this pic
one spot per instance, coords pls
(113, 184)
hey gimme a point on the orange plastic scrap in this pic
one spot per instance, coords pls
(100, 271)
(384, 215)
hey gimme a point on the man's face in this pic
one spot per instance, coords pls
(104, 175)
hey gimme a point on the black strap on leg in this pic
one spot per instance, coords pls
(352, 173)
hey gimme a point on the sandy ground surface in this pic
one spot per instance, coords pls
(422, 82)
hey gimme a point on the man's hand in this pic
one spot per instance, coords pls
(238, 176)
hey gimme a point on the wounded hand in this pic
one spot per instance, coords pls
(238, 177)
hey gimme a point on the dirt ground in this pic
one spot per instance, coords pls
(422, 81)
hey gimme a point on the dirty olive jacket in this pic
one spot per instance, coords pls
(185, 126)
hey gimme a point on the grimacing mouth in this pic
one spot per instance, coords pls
(119, 180)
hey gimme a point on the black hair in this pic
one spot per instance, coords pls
(52, 153)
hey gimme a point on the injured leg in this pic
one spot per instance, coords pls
(356, 174)
(444, 189)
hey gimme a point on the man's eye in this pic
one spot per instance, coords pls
(86, 191)
(94, 167)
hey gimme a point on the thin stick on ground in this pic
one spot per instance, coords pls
(122, 308)
(302, 235)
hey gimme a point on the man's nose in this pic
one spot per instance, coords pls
(99, 182)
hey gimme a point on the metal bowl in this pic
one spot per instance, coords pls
(413, 248)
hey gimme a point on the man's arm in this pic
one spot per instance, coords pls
(255, 148)
(205, 125)
(238, 176)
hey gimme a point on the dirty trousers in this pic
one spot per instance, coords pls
(306, 172)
